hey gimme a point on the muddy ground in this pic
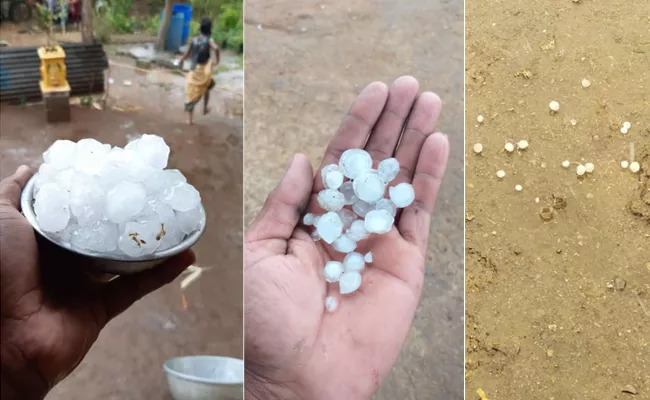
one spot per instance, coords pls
(558, 309)
(126, 362)
(305, 63)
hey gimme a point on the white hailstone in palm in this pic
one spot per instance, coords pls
(635, 167)
(355, 162)
(357, 231)
(331, 304)
(151, 149)
(330, 199)
(142, 236)
(478, 148)
(344, 244)
(188, 221)
(52, 208)
(327, 169)
(349, 282)
(125, 201)
(99, 236)
(378, 221)
(348, 217)
(361, 208)
(369, 187)
(61, 154)
(509, 147)
(329, 227)
(90, 156)
(347, 189)
(585, 83)
(315, 236)
(182, 197)
(354, 262)
(480, 119)
(589, 167)
(566, 163)
(388, 169)
(87, 199)
(308, 219)
(522, 144)
(388, 205)
(368, 257)
(501, 173)
(625, 164)
(519, 188)
(333, 271)
(333, 180)
(580, 170)
(162, 179)
(554, 106)
(402, 195)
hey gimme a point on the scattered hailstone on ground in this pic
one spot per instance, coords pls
(480, 119)
(589, 167)
(108, 200)
(509, 147)
(554, 106)
(501, 173)
(522, 144)
(635, 167)
(625, 164)
(478, 148)
(586, 83)
(355, 206)
(331, 304)
(566, 163)
(580, 170)
(519, 188)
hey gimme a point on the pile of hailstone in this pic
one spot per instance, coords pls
(109, 200)
(369, 212)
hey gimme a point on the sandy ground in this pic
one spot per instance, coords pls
(126, 362)
(558, 309)
(305, 62)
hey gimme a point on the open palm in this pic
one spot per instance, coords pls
(294, 349)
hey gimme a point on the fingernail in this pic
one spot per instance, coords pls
(290, 162)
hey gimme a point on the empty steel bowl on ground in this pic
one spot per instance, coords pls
(205, 378)
(118, 264)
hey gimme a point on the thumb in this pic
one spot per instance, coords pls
(284, 206)
(11, 187)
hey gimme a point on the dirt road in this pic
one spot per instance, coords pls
(558, 309)
(305, 62)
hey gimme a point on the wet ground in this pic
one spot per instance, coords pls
(126, 362)
(558, 308)
(305, 62)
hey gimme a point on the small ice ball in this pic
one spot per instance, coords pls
(344, 244)
(315, 236)
(624, 130)
(170, 234)
(125, 201)
(152, 149)
(585, 83)
(353, 262)
(87, 199)
(480, 119)
(64, 178)
(46, 174)
(519, 188)
(333, 180)
(182, 197)
(327, 169)
(357, 231)
(308, 219)
(368, 257)
(61, 154)
(369, 187)
(189, 221)
(589, 167)
(522, 144)
(65, 236)
(388, 205)
(554, 106)
(142, 236)
(566, 163)
(349, 282)
(378, 221)
(478, 148)
(625, 164)
(331, 304)
(333, 271)
(348, 217)
(501, 173)
(627, 125)
(90, 156)
(361, 208)
(52, 208)
(330, 199)
(635, 167)
(402, 195)
(347, 189)
(355, 162)
(509, 147)
(329, 227)
(580, 170)
(388, 169)
(163, 179)
(99, 236)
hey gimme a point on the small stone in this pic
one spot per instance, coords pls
(549, 353)
(333, 271)
(331, 304)
(629, 389)
(619, 284)
(552, 328)
(349, 282)
(546, 213)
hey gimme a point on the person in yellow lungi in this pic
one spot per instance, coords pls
(199, 79)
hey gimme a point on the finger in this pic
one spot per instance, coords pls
(384, 137)
(356, 125)
(432, 162)
(421, 124)
(284, 206)
(121, 293)
(11, 187)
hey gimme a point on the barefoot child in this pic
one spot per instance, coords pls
(199, 79)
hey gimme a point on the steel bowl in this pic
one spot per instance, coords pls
(115, 264)
(205, 378)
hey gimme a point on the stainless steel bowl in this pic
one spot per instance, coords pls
(118, 264)
(205, 378)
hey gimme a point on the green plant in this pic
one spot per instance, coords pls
(152, 25)
(102, 27)
(116, 14)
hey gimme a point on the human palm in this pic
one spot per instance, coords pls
(294, 348)
(51, 313)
